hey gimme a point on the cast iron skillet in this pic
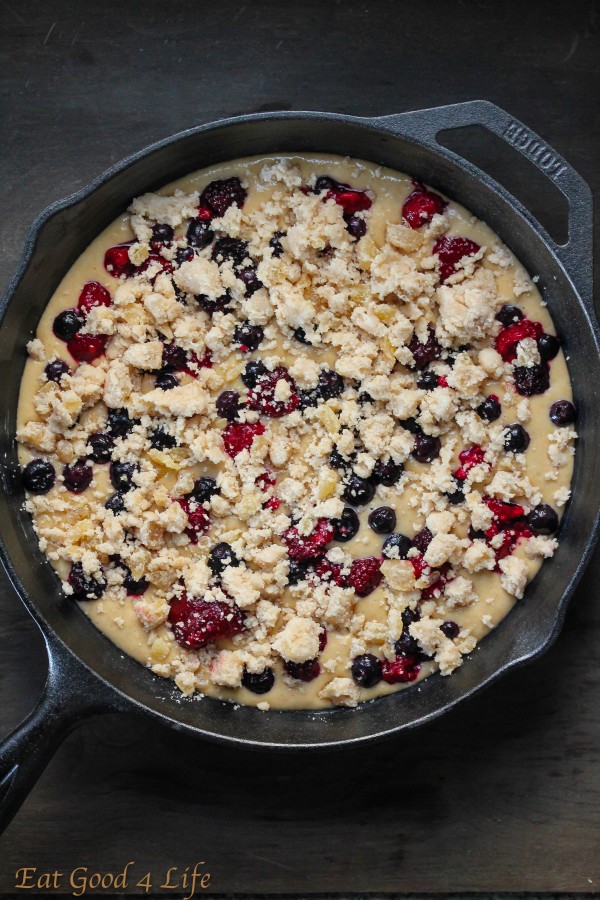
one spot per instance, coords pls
(87, 673)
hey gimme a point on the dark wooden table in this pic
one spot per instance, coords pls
(502, 795)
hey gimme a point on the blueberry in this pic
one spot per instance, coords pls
(542, 519)
(248, 336)
(260, 683)
(184, 254)
(38, 476)
(161, 439)
(563, 413)
(531, 380)
(300, 335)
(228, 248)
(134, 588)
(325, 183)
(426, 448)
(275, 243)
(84, 586)
(330, 384)
(490, 409)
(249, 277)
(346, 526)
(77, 477)
(366, 670)
(121, 475)
(119, 423)
(382, 520)
(254, 370)
(516, 439)
(297, 571)
(387, 473)
(396, 546)
(358, 491)
(410, 615)
(428, 381)
(67, 324)
(161, 234)
(165, 380)
(407, 645)
(422, 540)
(212, 305)
(411, 425)
(457, 496)
(101, 447)
(509, 314)
(174, 356)
(55, 370)
(199, 233)
(305, 671)
(220, 557)
(356, 226)
(228, 405)
(364, 397)
(548, 346)
(204, 488)
(309, 398)
(337, 461)
(450, 629)
(116, 504)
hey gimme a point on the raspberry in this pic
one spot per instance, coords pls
(86, 347)
(310, 546)
(450, 251)
(421, 206)
(435, 589)
(220, 194)
(198, 518)
(197, 622)
(399, 671)
(469, 458)
(195, 363)
(505, 513)
(350, 199)
(506, 342)
(424, 353)
(93, 294)
(262, 397)
(365, 575)
(238, 436)
(117, 262)
(166, 265)
(330, 573)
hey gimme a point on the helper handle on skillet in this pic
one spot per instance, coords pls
(71, 694)
(576, 254)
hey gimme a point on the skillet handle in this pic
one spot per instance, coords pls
(70, 695)
(576, 254)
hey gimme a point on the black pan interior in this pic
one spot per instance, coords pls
(66, 234)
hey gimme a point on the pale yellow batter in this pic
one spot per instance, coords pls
(116, 614)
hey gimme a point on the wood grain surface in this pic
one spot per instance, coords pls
(502, 795)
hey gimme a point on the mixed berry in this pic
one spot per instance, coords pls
(351, 555)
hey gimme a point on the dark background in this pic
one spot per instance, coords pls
(501, 795)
